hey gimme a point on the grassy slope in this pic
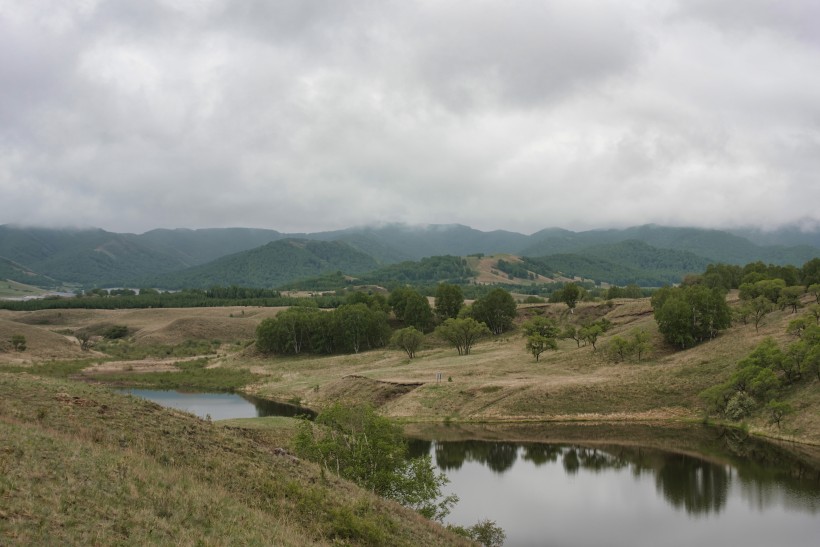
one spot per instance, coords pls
(82, 465)
(500, 381)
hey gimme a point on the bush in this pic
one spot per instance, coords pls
(359, 445)
(115, 332)
(740, 405)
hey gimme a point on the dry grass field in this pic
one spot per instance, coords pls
(498, 382)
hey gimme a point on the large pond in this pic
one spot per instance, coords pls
(589, 485)
(704, 487)
(218, 406)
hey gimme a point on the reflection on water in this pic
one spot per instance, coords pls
(745, 492)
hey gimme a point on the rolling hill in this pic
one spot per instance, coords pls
(175, 258)
(271, 265)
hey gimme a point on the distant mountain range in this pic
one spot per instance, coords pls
(268, 258)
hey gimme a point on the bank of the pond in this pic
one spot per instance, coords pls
(85, 465)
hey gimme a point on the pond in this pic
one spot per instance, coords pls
(581, 493)
(614, 485)
(218, 406)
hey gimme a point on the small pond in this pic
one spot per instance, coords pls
(219, 406)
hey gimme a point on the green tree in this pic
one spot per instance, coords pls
(810, 273)
(790, 297)
(543, 326)
(619, 349)
(570, 295)
(777, 411)
(449, 301)
(368, 449)
(538, 344)
(758, 308)
(462, 333)
(417, 312)
(496, 310)
(571, 332)
(640, 343)
(409, 339)
(590, 333)
(814, 290)
(18, 342)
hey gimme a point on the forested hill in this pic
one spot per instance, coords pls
(93, 257)
(270, 265)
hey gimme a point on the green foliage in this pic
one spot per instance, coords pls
(570, 295)
(368, 449)
(571, 332)
(449, 301)
(542, 334)
(621, 349)
(790, 297)
(193, 375)
(756, 308)
(689, 315)
(485, 532)
(271, 265)
(496, 310)
(740, 405)
(408, 339)
(434, 269)
(116, 331)
(462, 333)
(777, 411)
(538, 344)
(18, 342)
(348, 329)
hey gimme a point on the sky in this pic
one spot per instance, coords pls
(311, 115)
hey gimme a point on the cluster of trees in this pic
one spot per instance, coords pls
(514, 269)
(768, 372)
(350, 328)
(729, 276)
(688, 315)
(587, 333)
(636, 345)
(151, 298)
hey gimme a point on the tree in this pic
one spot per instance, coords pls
(572, 333)
(417, 312)
(408, 339)
(496, 310)
(84, 338)
(758, 308)
(570, 295)
(619, 349)
(538, 344)
(814, 290)
(449, 301)
(589, 334)
(790, 297)
(542, 334)
(777, 411)
(640, 343)
(462, 333)
(368, 449)
(18, 342)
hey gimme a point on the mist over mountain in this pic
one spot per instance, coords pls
(257, 257)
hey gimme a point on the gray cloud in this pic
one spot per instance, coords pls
(310, 115)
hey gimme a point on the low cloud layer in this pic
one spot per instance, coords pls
(305, 115)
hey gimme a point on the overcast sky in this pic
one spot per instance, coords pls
(302, 115)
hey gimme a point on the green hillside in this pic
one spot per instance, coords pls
(82, 465)
(196, 247)
(271, 265)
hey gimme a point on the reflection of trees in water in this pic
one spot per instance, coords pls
(496, 455)
(539, 454)
(695, 485)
